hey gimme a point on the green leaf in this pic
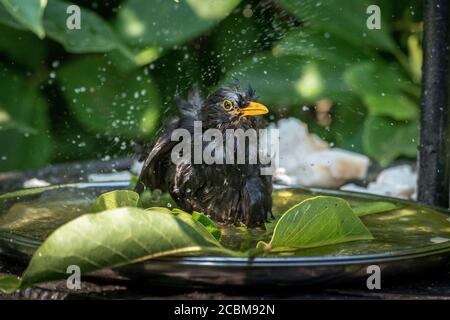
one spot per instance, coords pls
(366, 208)
(208, 223)
(24, 43)
(115, 199)
(24, 139)
(235, 39)
(319, 45)
(8, 20)
(95, 34)
(28, 13)
(347, 126)
(111, 239)
(178, 71)
(317, 222)
(360, 209)
(161, 23)
(199, 226)
(398, 107)
(76, 142)
(108, 101)
(415, 56)
(347, 19)
(9, 283)
(381, 89)
(385, 139)
(375, 78)
(156, 198)
(270, 226)
(288, 80)
(133, 182)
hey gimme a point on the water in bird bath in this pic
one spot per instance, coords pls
(28, 217)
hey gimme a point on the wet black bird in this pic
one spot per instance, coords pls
(230, 193)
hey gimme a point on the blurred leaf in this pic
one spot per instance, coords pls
(403, 10)
(345, 18)
(315, 222)
(134, 57)
(415, 56)
(381, 90)
(398, 107)
(95, 35)
(115, 199)
(398, 10)
(28, 13)
(289, 80)
(212, 9)
(319, 45)
(162, 23)
(347, 126)
(74, 142)
(108, 101)
(386, 139)
(24, 43)
(177, 71)
(235, 38)
(25, 142)
(374, 78)
(8, 20)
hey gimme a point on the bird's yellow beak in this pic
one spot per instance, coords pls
(254, 109)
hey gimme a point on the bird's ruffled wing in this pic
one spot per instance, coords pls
(155, 165)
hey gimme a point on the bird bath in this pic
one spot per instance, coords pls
(408, 240)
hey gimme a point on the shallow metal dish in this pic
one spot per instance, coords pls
(207, 271)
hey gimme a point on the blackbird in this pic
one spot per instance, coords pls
(230, 193)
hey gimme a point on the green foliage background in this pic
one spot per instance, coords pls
(97, 92)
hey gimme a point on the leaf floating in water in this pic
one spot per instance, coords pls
(9, 283)
(199, 226)
(156, 198)
(270, 226)
(366, 208)
(317, 222)
(208, 223)
(360, 209)
(115, 199)
(114, 238)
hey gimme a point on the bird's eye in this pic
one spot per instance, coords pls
(227, 105)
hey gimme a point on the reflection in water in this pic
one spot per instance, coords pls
(36, 215)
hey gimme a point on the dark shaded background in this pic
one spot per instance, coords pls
(101, 91)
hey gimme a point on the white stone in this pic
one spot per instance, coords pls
(398, 182)
(307, 160)
(33, 183)
(401, 180)
(106, 177)
(439, 239)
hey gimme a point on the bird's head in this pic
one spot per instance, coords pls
(231, 105)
